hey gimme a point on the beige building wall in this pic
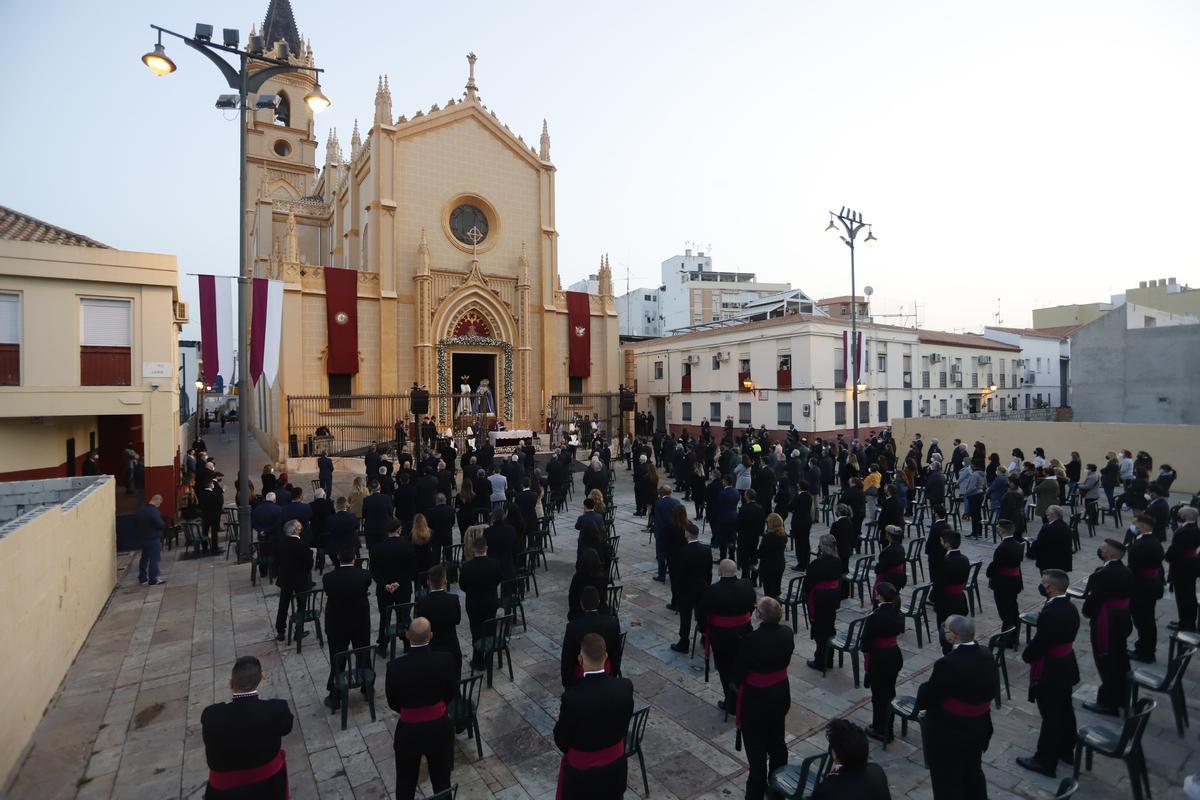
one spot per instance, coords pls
(1177, 445)
(1075, 314)
(59, 567)
(38, 443)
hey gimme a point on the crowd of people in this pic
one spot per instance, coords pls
(758, 499)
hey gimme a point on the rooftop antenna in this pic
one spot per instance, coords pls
(999, 321)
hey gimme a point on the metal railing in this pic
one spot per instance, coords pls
(580, 409)
(1015, 414)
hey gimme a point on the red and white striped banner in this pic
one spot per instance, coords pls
(216, 327)
(265, 329)
(858, 355)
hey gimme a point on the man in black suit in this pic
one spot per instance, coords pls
(212, 500)
(1004, 575)
(1052, 548)
(527, 502)
(343, 530)
(957, 700)
(427, 490)
(724, 612)
(845, 532)
(347, 613)
(420, 685)
(591, 726)
(392, 570)
(1145, 562)
(1185, 567)
(934, 551)
(242, 740)
(1159, 511)
(592, 620)
(293, 572)
(948, 593)
(479, 578)
(935, 487)
(1107, 606)
(377, 510)
(443, 611)
(297, 509)
(325, 472)
(764, 695)
(751, 520)
(1053, 673)
(694, 562)
(854, 778)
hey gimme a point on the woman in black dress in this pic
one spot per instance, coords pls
(771, 559)
(1012, 505)
(823, 595)
(801, 525)
(882, 657)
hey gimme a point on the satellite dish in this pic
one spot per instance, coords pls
(868, 291)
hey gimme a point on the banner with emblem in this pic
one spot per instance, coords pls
(341, 312)
(579, 334)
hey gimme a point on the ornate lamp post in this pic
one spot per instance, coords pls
(852, 223)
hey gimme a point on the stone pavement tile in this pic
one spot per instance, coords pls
(335, 789)
(98, 788)
(103, 762)
(326, 765)
(538, 775)
(683, 774)
(372, 790)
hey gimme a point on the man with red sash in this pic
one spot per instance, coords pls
(1004, 575)
(822, 596)
(891, 566)
(420, 686)
(1107, 605)
(957, 700)
(948, 593)
(592, 620)
(1145, 562)
(1053, 673)
(764, 696)
(882, 658)
(1185, 568)
(590, 730)
(724, 613)
(242, 740)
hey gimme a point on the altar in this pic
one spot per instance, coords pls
(509, 438)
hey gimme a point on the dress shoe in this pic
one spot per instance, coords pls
(879, 737)
(672, 607)
(158, 582)
(798, 568)
(381, 650)
(1173, 625)
(1134, 655)
(1033, 766)
(660, 578)
(812, 664)
(333, 702)
(279, 637)
(1096, 708)
(721, 705)
(680, 647)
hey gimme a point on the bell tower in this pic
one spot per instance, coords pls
(281, 148)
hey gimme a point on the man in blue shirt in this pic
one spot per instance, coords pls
(150, 529)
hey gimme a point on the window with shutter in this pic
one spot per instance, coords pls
(105, 336)
(10, 340)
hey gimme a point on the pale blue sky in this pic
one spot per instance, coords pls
(1022, 150)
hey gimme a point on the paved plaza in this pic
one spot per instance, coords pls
(126, 723)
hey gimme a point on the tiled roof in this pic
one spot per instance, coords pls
(18, 227)
(963, 340)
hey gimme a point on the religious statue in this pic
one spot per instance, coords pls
(464, 401)
(486, 404)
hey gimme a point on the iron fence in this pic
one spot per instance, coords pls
(582, 409)
(1014, 414)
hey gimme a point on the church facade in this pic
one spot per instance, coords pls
(424, 253)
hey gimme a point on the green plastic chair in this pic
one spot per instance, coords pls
(494, 644)
(464, 710)
(396, 618)
(306, 607)
(1169, 683)
(361, 676)
(918, 611)
(1125, 744)
(799, 782)
(633, 742)
(849, 643)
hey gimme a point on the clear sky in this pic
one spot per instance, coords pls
(1009, 154)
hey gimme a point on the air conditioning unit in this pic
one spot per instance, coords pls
(806, 410)
(935, 358)
(723, 355)
(984, 360)
(180, 308)
(1030, 376)
(693, 359)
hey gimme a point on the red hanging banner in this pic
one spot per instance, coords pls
(579, 334)
(341, 312)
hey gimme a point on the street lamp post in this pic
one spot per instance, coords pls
(244, 83)
(852, 223)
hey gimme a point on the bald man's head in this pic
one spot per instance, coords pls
(419, 632)
(727, 568)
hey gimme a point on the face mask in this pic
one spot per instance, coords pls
(1042, 590)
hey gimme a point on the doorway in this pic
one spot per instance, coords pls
(660, 414)
(471, 368)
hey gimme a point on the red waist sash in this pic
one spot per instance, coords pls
(881, 576)
(423, 713)
(822, 586)
(588, 759)
(723, 621)
(1102, 625)
(882, 643)
(1009, 572)
(577, 673)
(1149, 572)
(237, 778)
(954, 588)
(759, 680)
(1055, 650)
(961, 708)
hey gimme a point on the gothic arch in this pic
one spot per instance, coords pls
(477, 298)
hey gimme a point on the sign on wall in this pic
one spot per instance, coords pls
(156, 369)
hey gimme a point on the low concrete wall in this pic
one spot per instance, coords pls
(59, 565)
(1177, 445)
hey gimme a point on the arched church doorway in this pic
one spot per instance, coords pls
(472, 368)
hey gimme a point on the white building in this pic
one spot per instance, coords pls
(639, 312)
(1045, 369)
(793, 370)
(693, 293)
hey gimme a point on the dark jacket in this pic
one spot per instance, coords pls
(245, 733)
(346, 605)
(444, 613)
(599, 622)
(728, 597)
(1007, 556)
(764, 650)
(1058, 623)
(751, 520)
(594, 714)
(891, 566)
(966, 675)
(479, 578)
(694, 562)
(392, 561)
(1182, 556)
(293, 564)
(421, 677)
(868, 783)
(377, 513)
(267, 519)
(954, 571)
(1145, 557)
(1110, 626)
(1052, 548)
(150, 523)
(823, 604)
(883, 660)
